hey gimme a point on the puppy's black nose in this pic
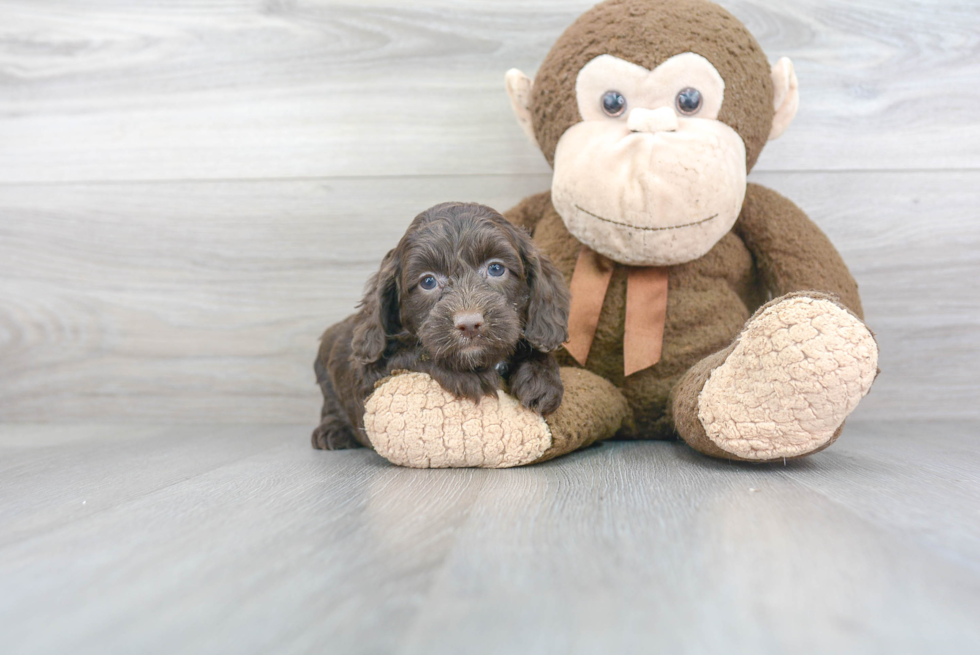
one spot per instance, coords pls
(469, 324)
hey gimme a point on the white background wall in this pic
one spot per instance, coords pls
(190, 191)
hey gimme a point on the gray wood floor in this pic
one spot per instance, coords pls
(127, 539)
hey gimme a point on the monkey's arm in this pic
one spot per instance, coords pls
(529, 211)
(791, 252)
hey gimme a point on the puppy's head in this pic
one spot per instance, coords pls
(469, 286)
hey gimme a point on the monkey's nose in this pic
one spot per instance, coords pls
(469, 324)
(662, 119)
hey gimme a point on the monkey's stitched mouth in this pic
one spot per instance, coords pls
(646, 229)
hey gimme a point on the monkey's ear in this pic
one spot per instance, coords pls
(379, 315)
(519, 88)
(785, 97)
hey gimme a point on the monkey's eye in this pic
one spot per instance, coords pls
(613, 103)
(689, 101)
(496, 269)
(429, 282)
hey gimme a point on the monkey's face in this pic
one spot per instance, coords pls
(649, 177)
(651, 112)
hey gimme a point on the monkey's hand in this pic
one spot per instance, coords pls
(413, 421)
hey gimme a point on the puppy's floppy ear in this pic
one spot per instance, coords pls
(546, 327)
(379, 315)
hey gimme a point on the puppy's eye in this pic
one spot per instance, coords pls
(689, 101)
(496, 270)
(429, 282)
(613, 103)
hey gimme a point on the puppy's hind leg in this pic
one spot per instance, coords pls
(335, 431)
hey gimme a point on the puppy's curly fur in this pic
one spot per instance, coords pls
(465, 297)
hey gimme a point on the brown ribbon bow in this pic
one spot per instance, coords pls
(646, 309)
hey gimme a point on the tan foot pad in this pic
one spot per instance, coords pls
(798, 369)
(412, 421)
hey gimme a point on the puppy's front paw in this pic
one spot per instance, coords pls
(537, 385)
(331, 434)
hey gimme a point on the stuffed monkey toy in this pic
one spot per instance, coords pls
(703, 307)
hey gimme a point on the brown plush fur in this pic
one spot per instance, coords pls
(580, 424)
(772, 250)
(646, 33)
(402, 325)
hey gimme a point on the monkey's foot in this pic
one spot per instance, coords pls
(800, 366)
(412, 421)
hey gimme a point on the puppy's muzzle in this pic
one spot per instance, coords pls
(469, 324)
